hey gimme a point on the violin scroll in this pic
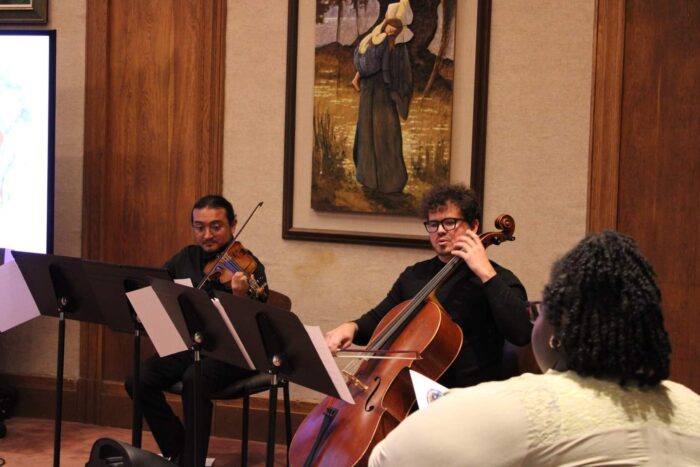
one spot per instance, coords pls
(505, 225)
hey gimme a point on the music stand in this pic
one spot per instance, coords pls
(179, 317)
(110, 283)
(231, 328)
(281, 345)
(60, 289)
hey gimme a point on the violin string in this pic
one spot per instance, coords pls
(235, 267)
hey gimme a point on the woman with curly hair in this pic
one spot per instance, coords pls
(604, 397)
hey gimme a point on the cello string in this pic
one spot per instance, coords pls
(396, 324)
(398, 321)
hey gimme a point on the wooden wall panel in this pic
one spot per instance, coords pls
(153, 144)
(660, 160)
(645, 152)
(605, 115)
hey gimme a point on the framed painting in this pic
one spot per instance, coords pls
(384, 99)
(24, 11)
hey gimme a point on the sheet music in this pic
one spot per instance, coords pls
(233, 332)
(16, 302)
(163, 333)
(332, 369)
(426, 389)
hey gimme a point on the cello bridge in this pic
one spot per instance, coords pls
(352, 379)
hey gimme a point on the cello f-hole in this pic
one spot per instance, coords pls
(368, 405)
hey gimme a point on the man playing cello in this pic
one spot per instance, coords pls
(484, 299)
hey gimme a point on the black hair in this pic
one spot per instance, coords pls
(605, 307)
(214, 202)
(464, 197)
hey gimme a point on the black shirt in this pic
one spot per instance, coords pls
(487, 313)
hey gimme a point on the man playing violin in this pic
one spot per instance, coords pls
(484, 299)
(213, 224)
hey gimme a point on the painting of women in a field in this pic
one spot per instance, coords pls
(382, 103)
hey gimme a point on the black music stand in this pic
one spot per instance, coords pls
(110, 284)
(202, 328)
(280, 345)
(274, 340)
(59, 288)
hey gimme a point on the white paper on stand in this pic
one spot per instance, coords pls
(16, 302)
(331, 367)
(426, 389)
(187, 282)
(163, 333)
(233, 332)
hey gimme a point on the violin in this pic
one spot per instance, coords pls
(337, 433)
(232, 260)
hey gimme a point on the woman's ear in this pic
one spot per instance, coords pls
(545, 344)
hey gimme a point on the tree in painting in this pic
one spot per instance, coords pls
(376, 61)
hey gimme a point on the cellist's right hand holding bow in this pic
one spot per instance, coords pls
(341, 337)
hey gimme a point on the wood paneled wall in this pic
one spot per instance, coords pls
(645, 159)
(153, 144)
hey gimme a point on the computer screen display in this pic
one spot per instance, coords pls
(27, 126)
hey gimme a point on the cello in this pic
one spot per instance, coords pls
(338, 434)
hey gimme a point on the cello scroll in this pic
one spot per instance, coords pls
(505, 225)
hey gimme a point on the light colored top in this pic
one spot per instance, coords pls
(551, 419)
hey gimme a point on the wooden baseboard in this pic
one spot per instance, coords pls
(37, 397)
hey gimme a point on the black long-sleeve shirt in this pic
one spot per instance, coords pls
(487, 313)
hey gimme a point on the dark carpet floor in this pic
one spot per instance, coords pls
(29, 442)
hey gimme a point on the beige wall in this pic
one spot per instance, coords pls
(538, 129)
(537, 156)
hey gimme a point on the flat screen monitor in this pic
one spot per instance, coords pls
(27, 126)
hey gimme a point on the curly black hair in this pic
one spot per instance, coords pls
(604, 304)
(461, 195)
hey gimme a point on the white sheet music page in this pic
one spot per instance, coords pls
(16, 302)
(233, 332)
(160, 328)
(332, 369)
(426, 389)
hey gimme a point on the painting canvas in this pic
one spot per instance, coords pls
(383, 93)
(348, 211)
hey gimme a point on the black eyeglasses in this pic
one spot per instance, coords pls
(448, 223)
(214, 227)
